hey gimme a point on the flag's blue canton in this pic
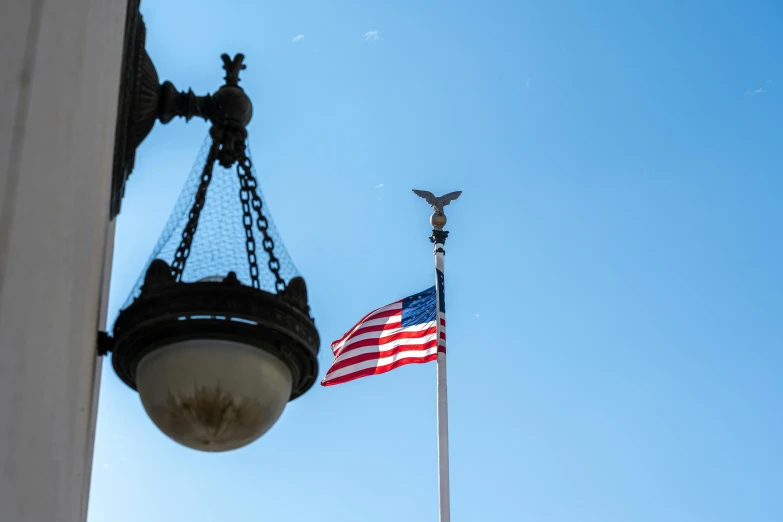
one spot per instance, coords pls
(419, 308)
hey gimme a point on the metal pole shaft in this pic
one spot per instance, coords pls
(444, 508)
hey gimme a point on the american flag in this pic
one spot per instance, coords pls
(404, 332)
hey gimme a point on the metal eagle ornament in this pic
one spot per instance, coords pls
(438, 218)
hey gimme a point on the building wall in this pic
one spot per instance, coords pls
(59, 75)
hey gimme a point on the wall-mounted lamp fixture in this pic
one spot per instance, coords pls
(215, 360)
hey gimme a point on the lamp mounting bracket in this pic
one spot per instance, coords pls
(143, 100)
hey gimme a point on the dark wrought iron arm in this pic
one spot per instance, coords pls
(174, 103)
(143, 100)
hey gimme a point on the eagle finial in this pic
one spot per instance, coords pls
(437, 203)
(438, 219)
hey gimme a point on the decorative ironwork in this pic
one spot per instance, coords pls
(232, 68)
(438, 218)
(249, 185)
(133, 124)
(438, 237)
(168, 311)
(436, 203)
(230, 111)
(183, 251)
(143, 100)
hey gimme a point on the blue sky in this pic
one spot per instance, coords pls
(614, 264)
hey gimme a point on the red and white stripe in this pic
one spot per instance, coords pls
(378, 343)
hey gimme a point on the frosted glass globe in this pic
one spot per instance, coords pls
(213, 395)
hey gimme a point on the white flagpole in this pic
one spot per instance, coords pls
(444, 507)
(438, 238)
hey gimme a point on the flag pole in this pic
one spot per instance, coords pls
(438, 238)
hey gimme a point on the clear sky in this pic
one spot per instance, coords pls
(615, 264)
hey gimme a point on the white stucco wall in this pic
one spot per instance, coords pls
(59, 74)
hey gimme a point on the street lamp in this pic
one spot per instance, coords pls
(216, 356)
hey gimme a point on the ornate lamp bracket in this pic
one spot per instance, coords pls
(143, 100)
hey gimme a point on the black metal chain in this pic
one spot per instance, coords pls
(248, 192)
(247, 221)
(183, 251)
(248, 196)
